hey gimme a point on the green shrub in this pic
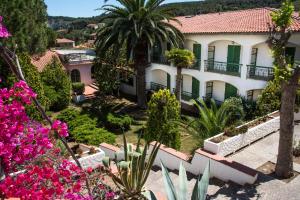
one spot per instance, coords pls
(233, 131)
(163, 112)
(78, 88)
(269, 100)
(57, 86)
(234, 104)
(90, 134)
(119, 122)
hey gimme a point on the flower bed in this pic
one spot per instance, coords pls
(224, 145)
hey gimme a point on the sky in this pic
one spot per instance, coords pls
(81, 8)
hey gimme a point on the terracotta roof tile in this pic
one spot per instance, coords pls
(242, 21)
(42, 61)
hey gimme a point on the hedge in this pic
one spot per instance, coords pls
(118, 122)
(78, 88)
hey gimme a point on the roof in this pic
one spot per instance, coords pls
(64, 40)
(42, 61)
(242, 21)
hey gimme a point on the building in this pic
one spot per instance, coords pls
(78, 64)
(232, 56)
(41, 61)
(65, 43)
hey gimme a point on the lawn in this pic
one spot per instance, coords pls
(124, 107)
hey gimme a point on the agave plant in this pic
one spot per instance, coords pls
(199, 191)
(133, 170)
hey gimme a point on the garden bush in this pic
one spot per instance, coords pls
(163, 112)
(57, 86)
(90, 134)
(233, 131)
(234, 104)
(78, 88)
(118, 122)
(269, 100)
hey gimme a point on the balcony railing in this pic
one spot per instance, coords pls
(259, 72)
(156, 86)
(187, 96)
(160, 59)
(223, 67)
(197, 64)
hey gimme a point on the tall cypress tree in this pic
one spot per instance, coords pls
(26, 21)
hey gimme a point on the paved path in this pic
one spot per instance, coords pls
(254, 156)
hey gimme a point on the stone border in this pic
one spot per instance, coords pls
(237, 142)
(220, 167)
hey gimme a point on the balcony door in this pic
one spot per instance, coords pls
(233, 58)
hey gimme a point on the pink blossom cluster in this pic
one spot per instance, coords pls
(20, 138)
(3, 31)
(61, 128)
(47, 181)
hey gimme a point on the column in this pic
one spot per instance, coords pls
(202, 89)
(246, 58)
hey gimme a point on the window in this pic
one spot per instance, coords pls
(250, 95)
(209, 89)
(254, 56)
(75, 76)
(211, 53)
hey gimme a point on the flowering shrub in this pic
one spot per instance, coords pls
(20, 138)
(3, 31)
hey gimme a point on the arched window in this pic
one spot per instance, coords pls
(75, 76)
(93, 72)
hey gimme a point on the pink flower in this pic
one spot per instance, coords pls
(61, 128)
(3, 31)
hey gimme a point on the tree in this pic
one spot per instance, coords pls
(34, 80)
(213, 120)
(163, 112)
(27, 25)
(181, 58)
(288, 76)
(137, 24)
(57, 85)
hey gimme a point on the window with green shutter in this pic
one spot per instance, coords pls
(230, 91)
(197, 52)
(233, 58)
(195, 88)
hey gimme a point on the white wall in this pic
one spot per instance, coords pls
(85, 72)
(218, 90)
(187, 83)
(264, 55)
(256, 93)
(159, 76)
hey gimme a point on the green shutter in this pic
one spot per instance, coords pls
(197, 53)
(290, 54)
(230, 91)
(195, 88)
(233, 58)
(168, 81)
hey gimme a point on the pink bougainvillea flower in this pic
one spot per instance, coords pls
(61, 128)
(3, 31)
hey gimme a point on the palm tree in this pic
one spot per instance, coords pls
(138, 24)
(181, 58)
(214, 120)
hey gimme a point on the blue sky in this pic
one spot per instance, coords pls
(81, 8)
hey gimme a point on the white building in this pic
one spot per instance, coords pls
(233, 57)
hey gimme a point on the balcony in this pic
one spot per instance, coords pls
(223, 68)
(159, 59)
(187, 96)
(260, 73)
(156, 86)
